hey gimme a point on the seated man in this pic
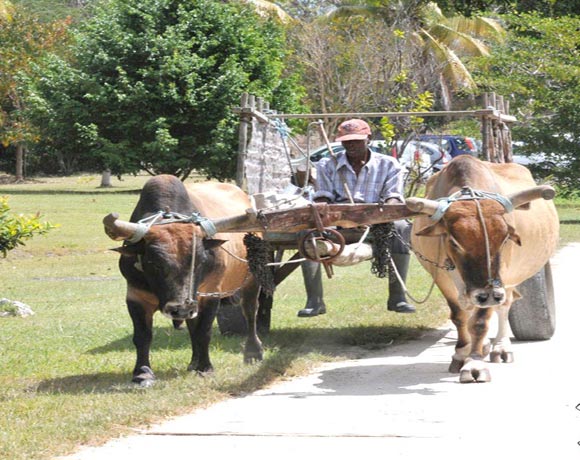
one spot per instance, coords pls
(360, 175)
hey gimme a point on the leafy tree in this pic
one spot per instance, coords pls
(24, 41)
(153, 83)
(14, 230)
(539, 68)
(51, 10)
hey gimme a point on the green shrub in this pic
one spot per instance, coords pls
(14, 230)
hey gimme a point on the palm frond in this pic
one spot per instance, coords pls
(453, 69)
(460, 42)
(478, 27)
(265, 7)
(347, 11)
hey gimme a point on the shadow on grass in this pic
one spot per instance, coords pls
(315, 339)
(284, 347)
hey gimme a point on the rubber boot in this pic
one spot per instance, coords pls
(397, 301)
(312, 274)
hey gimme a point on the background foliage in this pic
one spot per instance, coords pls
(539, 69)
(151, 85)
(144, 85)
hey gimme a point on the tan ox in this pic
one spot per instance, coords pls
(477, 250)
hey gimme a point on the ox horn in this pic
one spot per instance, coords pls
(422, 205)
(121, 230)
(530, 194)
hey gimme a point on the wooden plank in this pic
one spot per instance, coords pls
(457, 113)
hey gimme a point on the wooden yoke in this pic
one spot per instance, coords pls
(303, 218)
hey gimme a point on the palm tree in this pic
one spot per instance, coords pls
(270, 8)
(443, 38)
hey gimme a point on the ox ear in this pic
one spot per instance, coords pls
(436, 229)
(212, 243)
(129, 250)
(513, 235)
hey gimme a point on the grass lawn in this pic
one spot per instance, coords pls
(65, 371)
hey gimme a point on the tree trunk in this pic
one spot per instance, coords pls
(19, 162)
(106, 178)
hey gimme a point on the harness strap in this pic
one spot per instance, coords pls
(143, 227)
(467, 193)
(162, 218)
(140, 232)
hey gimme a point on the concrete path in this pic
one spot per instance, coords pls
(400, 403)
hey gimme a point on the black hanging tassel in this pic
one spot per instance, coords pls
(259, 255)
(381, 236)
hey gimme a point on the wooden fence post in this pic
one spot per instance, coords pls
(245, 120)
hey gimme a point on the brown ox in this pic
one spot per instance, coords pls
(172, 266)
(487, 251)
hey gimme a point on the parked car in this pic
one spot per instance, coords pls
(537, 162)
(439, 156)
(454, 145)
(416, 156)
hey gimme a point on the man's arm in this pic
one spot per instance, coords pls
(324, 182)
(392, 191)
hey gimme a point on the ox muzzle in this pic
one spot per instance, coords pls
(181, 310)
(487, 297)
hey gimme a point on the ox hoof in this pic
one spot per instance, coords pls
(477, 374)
(200, 370)
(501, 356)
(455, 366)
(253, 357)
(144, 377)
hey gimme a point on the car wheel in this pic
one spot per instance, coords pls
(533, 317)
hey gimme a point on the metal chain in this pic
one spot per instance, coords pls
(448, 265)
(224, 294)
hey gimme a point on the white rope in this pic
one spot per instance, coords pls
(432, 283)
(486, 239)
(241, 259)
(191, 294)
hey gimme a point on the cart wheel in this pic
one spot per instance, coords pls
(533, 317)
(231, 320)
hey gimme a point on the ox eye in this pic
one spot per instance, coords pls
(454, 244)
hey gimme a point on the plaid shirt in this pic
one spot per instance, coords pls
(380, 178)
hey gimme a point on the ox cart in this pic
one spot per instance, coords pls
(531, 318)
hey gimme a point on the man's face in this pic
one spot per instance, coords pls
(355, 148)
